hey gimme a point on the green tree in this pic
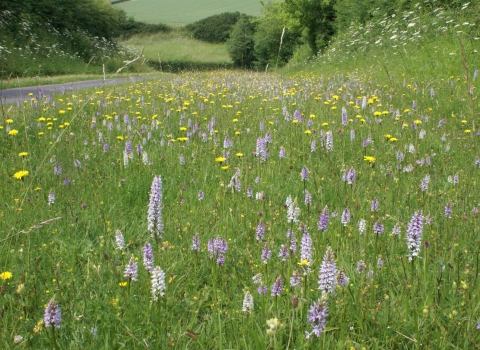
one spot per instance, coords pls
(316, 17)
(214, 29)
(275, 40)
(241, 44)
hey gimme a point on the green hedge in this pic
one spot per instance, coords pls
(214, 29)
(180, 66)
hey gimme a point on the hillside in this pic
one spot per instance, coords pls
(182, 12)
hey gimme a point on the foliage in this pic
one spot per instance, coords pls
(274, 40)
(214, 29)
(177, 66)
(241, 43)
(317, 18)
(97, 17)
(63, 37)
(130, 27)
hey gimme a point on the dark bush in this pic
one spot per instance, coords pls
(130, 27)
(214, 29)
(241, 43)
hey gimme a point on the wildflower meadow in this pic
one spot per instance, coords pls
(241, 210)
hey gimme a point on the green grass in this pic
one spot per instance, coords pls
(176, 47)
(182, 12)
(61, 79)
(418, 122)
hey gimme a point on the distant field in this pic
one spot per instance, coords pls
(181, 12)
(174, 47)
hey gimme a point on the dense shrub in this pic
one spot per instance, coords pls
(214, 29)
(241, 43)
(97, 17)
(131, 27)
(272, 30)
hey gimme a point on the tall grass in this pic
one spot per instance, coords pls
(404, 229)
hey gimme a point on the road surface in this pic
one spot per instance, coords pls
(9, 96)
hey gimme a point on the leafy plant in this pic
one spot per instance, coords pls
(214, 29)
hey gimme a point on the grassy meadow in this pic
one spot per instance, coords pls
(177, 47)
(182, 12)
(330, 205)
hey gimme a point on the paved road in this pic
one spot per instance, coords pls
(20, 94)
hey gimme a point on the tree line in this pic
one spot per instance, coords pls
(284, 26)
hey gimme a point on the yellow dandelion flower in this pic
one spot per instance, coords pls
(295, 121)
(5, 275)
(468, 131)
(9, 121)
(464, 121)
(22, 154)
(388, 136)
(119, 138)
(235, 120)
(20, 174)
(183, 128)
(417, 122)
(237, 132)
(393, 139)
(304, 262)
(62, 111)
(225, 167)
(13, 132)
(325, 124)
(220, 159)
(122, 284)
(307, 132)
(239, 154)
